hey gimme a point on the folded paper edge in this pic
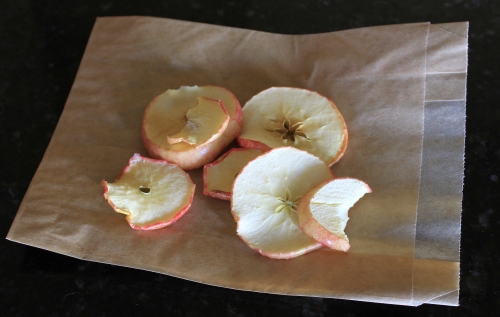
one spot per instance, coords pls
(449, 297)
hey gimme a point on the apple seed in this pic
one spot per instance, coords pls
(145, 190)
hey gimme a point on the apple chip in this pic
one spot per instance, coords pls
(265, 197)
(166, 116)
(204, 123)
(152, 193)
(218, 176)
(323, 210)
(304, 119)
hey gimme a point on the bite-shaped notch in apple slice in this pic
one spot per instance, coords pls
(204, 123)
(264, 201)
(166, 125)
(152, 193)
(323, 211)
(218, 176)
(283, 116)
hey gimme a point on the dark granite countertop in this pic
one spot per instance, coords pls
(42, 43)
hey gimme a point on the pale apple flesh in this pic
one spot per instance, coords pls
(151, 193)
(218, 176)
(204, 123)
(165, 116)
(283, 116)
(264, 200)
(323, 211)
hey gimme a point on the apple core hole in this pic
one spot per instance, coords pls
(290, 131)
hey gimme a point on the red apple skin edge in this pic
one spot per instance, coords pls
(199, 156)
(154, 226)
(252, 144)
(217, 194)
(313, 228)
(264, 148)
(287, 256)
(278, 256)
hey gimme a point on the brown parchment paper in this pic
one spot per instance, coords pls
(381, 80)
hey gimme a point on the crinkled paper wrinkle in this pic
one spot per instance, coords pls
(381, 78)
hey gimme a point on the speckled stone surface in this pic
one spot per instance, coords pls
(41, 45)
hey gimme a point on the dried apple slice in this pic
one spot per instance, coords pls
(264, 200)
(152, 193)
(166, 116)
(204, 123)
(323, 210)
(304, 119)
(218, 176)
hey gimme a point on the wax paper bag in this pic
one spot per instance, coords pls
(393, 85)
(439, 206)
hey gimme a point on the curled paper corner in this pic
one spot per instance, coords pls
(446, 299)
(449, 299)
(459, 29)
(435, 282)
